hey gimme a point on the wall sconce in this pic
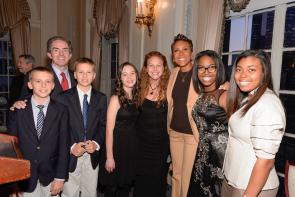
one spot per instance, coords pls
(145, 13)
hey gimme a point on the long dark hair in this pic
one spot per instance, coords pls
(120, 92)
(220, 71)
(235, 95)
(144, 78)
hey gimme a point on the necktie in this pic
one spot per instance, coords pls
(40, 120)
(84, 111)
(64, 81)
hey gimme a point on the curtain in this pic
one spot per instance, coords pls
(14, 17)
(209, 25)
(107, 15)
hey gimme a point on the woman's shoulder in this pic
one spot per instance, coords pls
(269, 99)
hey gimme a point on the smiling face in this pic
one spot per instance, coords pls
(128, 77)
(85, 74)
(42, 83)
(155, 68)
(182, 55)
(208, 78)
(60, 53)
(248, 73)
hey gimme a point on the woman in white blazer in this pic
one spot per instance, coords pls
(256, 127)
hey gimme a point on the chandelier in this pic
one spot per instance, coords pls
(145, 13)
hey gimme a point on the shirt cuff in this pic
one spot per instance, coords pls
(97, 145)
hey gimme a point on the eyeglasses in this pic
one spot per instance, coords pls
(202, 69)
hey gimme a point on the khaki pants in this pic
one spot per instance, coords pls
(183, 149)
(40, 190)
(229, 191)
(83, 179)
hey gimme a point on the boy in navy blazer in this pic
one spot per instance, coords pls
(87, 117)
(42, 131)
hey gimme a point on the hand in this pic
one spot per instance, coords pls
(18, 105)
(56, 187)
(78, 149)
(110, 165)
(224, 86)
(90, 146)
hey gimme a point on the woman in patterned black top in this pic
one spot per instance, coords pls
(210, 117)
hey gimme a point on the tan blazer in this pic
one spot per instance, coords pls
(191, 100)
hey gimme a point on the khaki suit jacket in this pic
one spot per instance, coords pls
(191, 100)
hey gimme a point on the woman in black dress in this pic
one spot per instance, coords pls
(118, 168)
(152, 136)
(210, 117)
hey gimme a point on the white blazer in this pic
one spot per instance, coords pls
(257, 134)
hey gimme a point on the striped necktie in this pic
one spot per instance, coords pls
(40, 120)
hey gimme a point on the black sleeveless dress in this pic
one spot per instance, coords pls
(124, 145)
(211, 121)
(152, 150)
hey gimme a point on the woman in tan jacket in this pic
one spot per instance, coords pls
(183, 132)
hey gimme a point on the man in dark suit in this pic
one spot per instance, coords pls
(19, 87)
(42, 131)
(87, 118)
(59, 51)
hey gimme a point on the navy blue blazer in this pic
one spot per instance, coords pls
(48, 155)
(96, 121)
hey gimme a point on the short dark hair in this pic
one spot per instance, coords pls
(181, 37)
(54, 38)
(28, 59)
(40, 69)
(220, 74)
(84, 60)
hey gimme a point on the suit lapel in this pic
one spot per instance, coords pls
(94, 99)
(49, 119)
(29, 118)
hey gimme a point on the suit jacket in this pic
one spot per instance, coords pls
(191, 100)
(96, 121)
(48, 155)
(57, 88)
(19, 89)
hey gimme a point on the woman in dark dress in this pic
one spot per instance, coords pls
(152, 136)
(118, 168)
(210, 117)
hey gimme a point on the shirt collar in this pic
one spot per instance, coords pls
(34, 103)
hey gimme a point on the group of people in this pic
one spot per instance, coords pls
(222, 137)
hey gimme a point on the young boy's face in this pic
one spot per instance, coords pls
(42, 83)
(84, 74)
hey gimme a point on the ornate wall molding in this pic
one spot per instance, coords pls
(238, 5)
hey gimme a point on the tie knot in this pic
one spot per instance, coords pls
(40, 107)
(85, 96)
(63, 74)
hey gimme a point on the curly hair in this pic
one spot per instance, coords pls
(121, 93)
(144, 78)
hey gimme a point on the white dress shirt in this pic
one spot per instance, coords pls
(257, 134)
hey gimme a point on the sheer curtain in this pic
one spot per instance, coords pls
(209, 24)
(107, 15)
(14, 17)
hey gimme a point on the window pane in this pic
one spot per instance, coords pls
(226, 35)
(288, 71)
(289, 39)
(260, 28)
(3, 83)
(289, 104)
(237, 34)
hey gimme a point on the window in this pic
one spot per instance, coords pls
(6, 74)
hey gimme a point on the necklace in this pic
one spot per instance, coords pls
(183, 76)
(153, 89)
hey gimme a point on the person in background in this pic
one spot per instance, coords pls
(19, 84)
(152, 136)
(118, 165)
(256, 127)
(210, 117)
(87, 118)
(43, 136)
(182, 130)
